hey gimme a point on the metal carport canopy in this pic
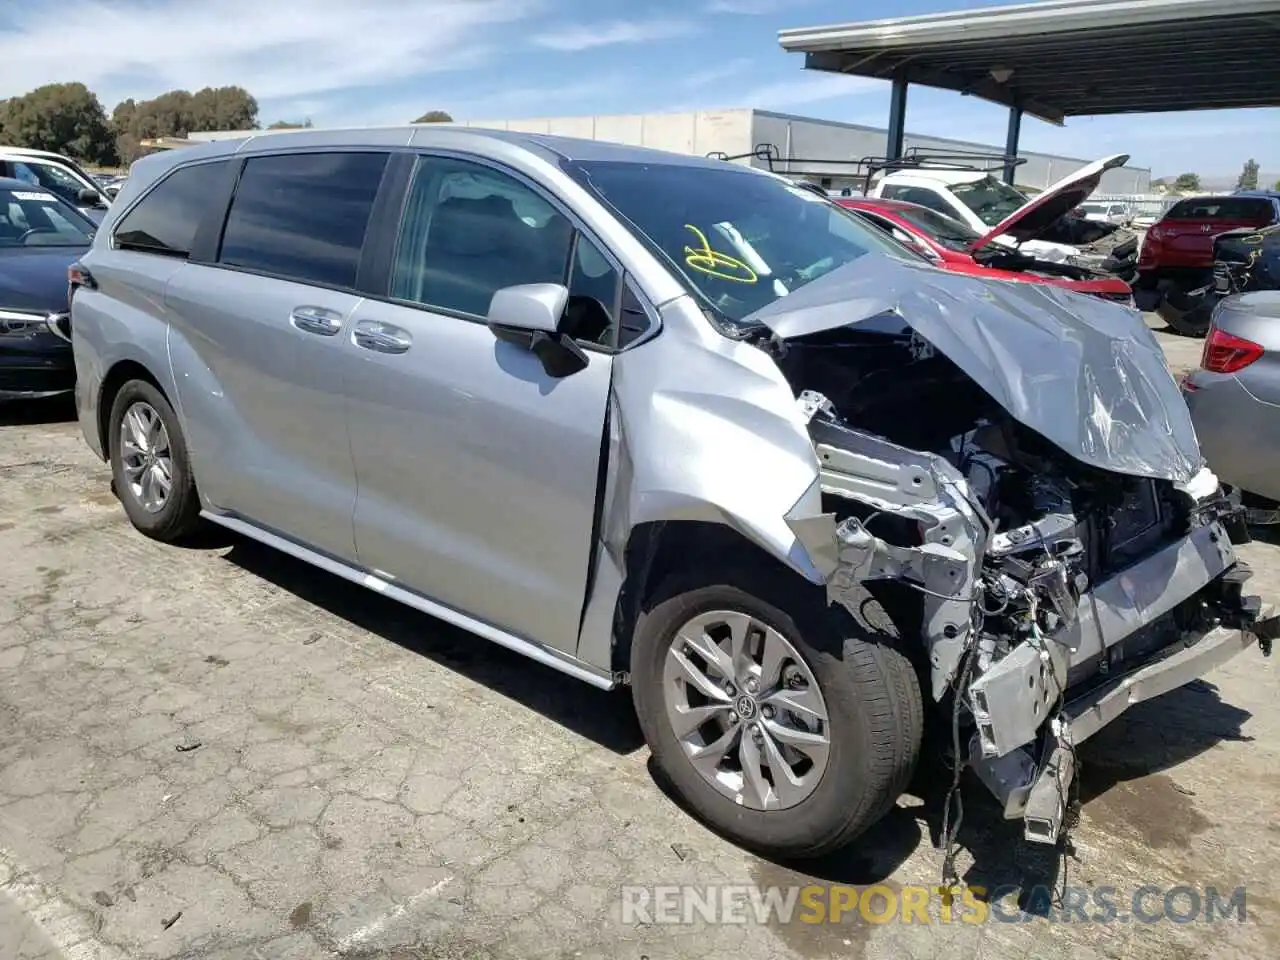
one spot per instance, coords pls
(1068, 58)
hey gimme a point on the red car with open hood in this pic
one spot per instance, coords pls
(954, 245)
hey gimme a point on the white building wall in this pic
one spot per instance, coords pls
(811, 139)
(695, 132)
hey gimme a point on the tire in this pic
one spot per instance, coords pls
(1187, 316)
(179, 514)
(872, 697)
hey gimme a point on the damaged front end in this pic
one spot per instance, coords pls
(1018, 470)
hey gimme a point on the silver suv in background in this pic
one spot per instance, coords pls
(670, 422)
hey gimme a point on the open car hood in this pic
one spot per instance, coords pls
(1087, 375)
(1044, 210)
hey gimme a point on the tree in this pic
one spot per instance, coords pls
(122, 125)
(223, 108)
(1187, 181)
(178, 113)
(1248, 176)
(434, 116)
(286, 125)
(1276, 186)
(63, 117)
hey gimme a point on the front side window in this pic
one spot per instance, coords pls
(469, 231)
(303, 216)
(991, 199)
(739, 239)
(166, 219)
(37, 218)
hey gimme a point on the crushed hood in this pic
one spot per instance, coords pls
(1084, 373)
(1044, 210)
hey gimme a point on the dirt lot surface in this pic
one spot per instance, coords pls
(218, 752)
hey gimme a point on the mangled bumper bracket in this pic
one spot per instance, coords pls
(1037, 794)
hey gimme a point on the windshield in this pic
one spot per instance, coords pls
(739, 239)
(991, 199)
(37, 218)
(948, 231)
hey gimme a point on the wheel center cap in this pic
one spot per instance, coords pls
(746, 707)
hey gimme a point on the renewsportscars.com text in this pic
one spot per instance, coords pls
(881, 904)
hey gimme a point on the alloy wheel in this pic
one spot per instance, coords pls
(746, 710)
(145, 456)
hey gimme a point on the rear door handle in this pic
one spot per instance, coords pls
(382, 337)
(318, 320)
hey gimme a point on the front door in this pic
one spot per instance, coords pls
(477, 472)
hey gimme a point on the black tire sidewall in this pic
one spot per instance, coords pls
(845, 788)
(179, 512)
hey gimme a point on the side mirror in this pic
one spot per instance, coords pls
(90, 198)
(529, 316)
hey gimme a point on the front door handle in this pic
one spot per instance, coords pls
(318, 320)
(382, 337)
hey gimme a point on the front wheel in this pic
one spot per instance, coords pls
(788, 726)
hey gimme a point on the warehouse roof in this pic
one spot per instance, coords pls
(1064, 58)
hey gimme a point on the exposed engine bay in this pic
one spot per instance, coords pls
(1046, 590)
(1103, 248)
(1122, 263)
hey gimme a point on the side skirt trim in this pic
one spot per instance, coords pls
(534, 651)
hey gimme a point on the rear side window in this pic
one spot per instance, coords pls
(166, 220)
(1249, 209)
(303, 216)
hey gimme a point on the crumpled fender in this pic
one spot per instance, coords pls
(709, 430)
(705, 428)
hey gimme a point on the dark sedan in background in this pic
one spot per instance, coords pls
(40, 237)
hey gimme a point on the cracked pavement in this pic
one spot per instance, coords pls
(218, 752)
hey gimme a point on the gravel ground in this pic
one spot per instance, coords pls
(218, 752)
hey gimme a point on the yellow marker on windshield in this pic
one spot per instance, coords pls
(714, 263)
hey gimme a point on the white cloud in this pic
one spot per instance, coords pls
(300, 50)
(585, 37)
(784, 94)
(752, 8)
(702, 78)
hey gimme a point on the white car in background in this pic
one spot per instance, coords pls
(979, 199)
(59, 175)
(1105, 211)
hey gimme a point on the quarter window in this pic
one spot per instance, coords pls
(166, 220)
(470, 230)
(303, 216)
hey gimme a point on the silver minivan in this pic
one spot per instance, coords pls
(674, 423)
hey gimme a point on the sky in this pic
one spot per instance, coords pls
(342, 62)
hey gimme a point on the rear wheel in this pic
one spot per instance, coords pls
(788, 726)
(150, 468)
